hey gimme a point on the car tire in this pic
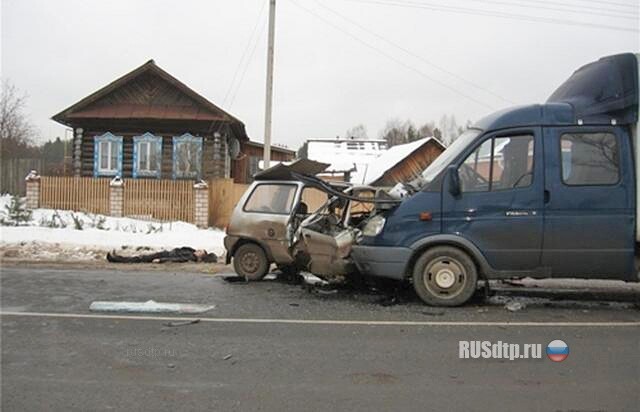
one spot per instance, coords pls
(250, 262)
(445, 276)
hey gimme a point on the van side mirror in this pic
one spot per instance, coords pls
(453, 181)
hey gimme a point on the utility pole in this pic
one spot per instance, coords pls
(269, 99)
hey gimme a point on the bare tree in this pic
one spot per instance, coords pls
(16, 131)
(358, 132)
(394, 133)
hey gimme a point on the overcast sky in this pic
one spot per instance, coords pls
(338, 63)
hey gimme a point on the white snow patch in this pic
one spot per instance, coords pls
(114, 232)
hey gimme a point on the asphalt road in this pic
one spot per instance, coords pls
(274, 346)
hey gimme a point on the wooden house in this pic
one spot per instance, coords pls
(400, 163)
(148, 124)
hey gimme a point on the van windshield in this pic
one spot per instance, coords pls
(442, 161)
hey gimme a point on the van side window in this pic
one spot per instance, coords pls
(501, 163)
(589, 159)
(271, 198)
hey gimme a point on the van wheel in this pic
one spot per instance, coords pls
(250, 262)
(445, 276)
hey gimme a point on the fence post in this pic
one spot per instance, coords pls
(201, 204)
(116, 197)
(33, 190)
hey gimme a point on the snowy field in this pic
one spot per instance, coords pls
(56, 233)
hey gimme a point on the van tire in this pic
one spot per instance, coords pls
(445, 276)
(250, 262)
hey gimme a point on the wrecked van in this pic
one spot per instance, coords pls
(545, 190)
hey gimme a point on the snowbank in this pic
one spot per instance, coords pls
(105, 232)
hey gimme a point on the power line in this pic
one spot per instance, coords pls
(576, 6)
(374, 48)
(246, 67)
(461, 10)
(244, 53)
(612, 3)
(409, 52)
(624, 15)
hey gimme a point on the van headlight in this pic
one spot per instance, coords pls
(374, 226)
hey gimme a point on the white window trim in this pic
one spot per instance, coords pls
(150, 140)
(114, 165)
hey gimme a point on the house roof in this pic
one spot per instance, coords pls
(376, 169)
(147, 101)
(274, 148)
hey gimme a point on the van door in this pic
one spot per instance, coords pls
(589, 210)
(500, 205)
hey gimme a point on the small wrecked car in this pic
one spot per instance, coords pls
(296, 221)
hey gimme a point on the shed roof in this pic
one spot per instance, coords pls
(390, 158)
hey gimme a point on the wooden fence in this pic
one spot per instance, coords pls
(163, 200)
(84, 194)
(160, 200)
(224, 194)
(13, 172)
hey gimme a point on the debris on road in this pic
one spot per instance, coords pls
(514, 306)
(149, 306)
(185, 323)
(227, 357)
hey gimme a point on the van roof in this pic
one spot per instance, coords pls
(550, 114)
(597, 93)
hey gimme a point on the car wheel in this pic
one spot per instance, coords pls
(445, 276)
(250, 262)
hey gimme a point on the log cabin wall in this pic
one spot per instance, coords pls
(210, 165)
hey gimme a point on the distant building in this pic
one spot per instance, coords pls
(346, 156)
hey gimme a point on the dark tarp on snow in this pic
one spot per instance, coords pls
(603, 90)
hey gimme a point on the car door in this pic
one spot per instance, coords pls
(500, 204)
(268, 210)
(589, 213)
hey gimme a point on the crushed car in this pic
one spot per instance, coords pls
(290, 218)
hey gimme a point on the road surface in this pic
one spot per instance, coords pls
(275, 346)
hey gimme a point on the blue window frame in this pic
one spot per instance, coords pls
(107, 155)
(187, 157)
(147, 155)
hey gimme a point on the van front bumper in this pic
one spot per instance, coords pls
(381, 261)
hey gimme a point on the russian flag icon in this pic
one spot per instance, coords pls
(557, 350)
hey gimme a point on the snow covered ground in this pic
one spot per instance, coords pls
(52, 233)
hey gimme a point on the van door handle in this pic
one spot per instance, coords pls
(469, 214)
(547, 196)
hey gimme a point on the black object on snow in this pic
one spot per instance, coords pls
(182, 254)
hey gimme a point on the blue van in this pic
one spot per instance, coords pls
(544, 190)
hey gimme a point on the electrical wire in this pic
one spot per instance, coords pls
(244, 53)
(246, 67)
(574, 6)
(584, 11)
(409, 52)
(387, 55)
(511, 16)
